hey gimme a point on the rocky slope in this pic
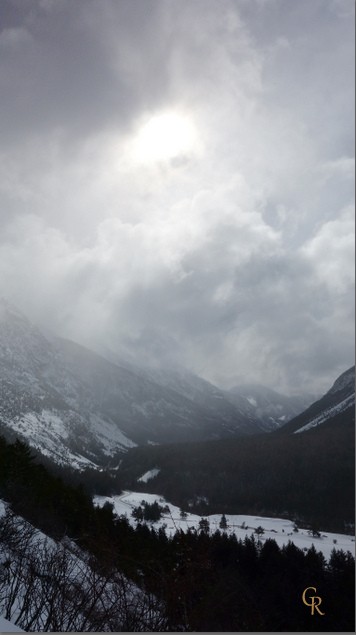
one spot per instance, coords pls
(270, 409)
(80, 409)
(337, 405)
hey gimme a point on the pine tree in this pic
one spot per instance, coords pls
(204, 526)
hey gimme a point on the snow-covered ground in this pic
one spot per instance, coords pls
(328, 413)
(280, 529)
(8, 627)
(52, 586)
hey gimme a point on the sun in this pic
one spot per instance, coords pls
(164, 137)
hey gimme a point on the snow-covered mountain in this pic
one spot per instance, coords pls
(44, 402)
(80, 409)
(336, 406)
(205, 395)
(264, 408)
(268, 408)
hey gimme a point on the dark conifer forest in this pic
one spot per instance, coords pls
(308, 477)
(199, 582)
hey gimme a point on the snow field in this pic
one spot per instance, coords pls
(279, 529)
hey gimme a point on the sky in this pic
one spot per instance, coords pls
(176, 182)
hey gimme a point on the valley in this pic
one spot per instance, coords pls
(263, 528)
(177, 316)
(79, 409)
(155, 490)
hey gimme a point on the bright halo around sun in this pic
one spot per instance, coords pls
(165, 137)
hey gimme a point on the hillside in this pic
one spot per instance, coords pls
(269, 408)
(87, 570)
(265, 409)
(308, 476)
(81, 410)
(338, 404)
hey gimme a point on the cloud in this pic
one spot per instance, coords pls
(332, 251)
(343, 8)
(231, 255)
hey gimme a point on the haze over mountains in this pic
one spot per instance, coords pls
(265, 408)
(171, 434)
(80, 409)
(270, 408)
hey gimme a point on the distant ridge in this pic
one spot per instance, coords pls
(339, 400)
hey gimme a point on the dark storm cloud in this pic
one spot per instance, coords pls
(223, 242)
(77, 66)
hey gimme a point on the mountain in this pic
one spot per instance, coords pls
(268, 408)
(337, 405)
(80, 409)
(264, 408)
(149, 411)
(205, 395)
(44, 402)
(308, 476)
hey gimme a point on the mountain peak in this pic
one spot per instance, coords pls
(346, 380)
(335, 407)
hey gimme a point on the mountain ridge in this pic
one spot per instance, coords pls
(75, 406)
(271, 409)
(82, 410)
(339, 399)
(308, 476)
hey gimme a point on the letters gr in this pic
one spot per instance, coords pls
(315, 600)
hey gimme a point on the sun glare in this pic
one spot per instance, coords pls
(164, 137)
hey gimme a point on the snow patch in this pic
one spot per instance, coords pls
(8, 627)
(328, 414)
(110, 435)
(147, 476)
(252, 401)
